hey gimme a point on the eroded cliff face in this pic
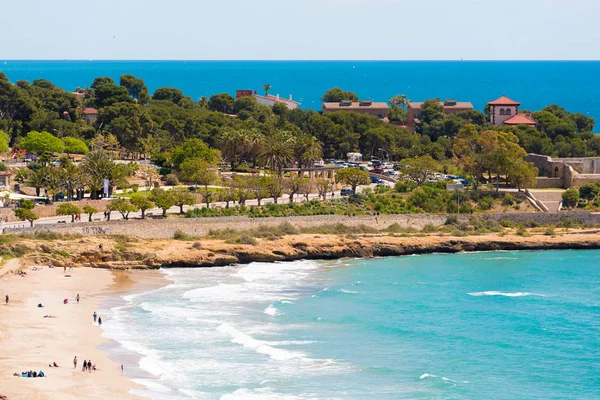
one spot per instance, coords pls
(130, 252)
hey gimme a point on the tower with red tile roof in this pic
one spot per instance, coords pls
(502, 109)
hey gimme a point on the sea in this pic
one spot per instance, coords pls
(571, 84)
(481, 325)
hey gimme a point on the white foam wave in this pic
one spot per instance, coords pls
(258, 345)
(286, 302)
(150, 360)
(260, 394)
(452, 380)
(425, 376)
(348, 291)
(272, 311)
(152, 385)
(505, 294)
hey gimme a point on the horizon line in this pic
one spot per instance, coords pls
(299, 60)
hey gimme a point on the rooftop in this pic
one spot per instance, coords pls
(90, 111)
(520, 119)
(504, 101)
(449, 104)
(355, 105)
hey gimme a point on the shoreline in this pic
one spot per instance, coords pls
(29, 341)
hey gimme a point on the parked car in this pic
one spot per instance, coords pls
(375, 179)
(387, 166)
(389, 173)
(346, 192)
(378, 171)
(320, 163)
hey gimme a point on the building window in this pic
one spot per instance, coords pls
(502, 112)
(508, 111)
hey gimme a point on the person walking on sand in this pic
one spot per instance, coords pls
(122, 369)
(99, 321)
(77, 297)
(6, 299)
(84, 365)
(89, 367)
(64, 269)
(75, 363)
(95, 316)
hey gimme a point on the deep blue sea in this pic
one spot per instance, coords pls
(574, 85)
(497, 325)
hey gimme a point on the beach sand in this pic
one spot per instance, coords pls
(28, 341)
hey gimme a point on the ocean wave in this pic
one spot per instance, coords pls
(272, 311)
(258, 345)
(425, 376)
(150, 360)
(443, 378)
(348, 291)
(261, 394)
(452, 380)
(505, 294)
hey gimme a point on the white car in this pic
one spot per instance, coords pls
(387, 166)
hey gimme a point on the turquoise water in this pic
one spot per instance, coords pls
(572, 84)
(501, 325)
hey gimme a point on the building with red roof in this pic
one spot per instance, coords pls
(90, 114)
(505, 111)
(520, 119)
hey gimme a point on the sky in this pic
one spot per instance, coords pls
(300, 29)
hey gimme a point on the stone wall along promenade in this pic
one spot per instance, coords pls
(164, 228)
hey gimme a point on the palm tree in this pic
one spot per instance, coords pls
(36, 180)
(267, 88)
(307, 150)
(231, 144)
(276, 151)
(98, 166)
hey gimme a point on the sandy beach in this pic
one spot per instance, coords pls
(28, 341)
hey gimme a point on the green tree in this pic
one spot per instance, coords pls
(194, 149)
(336, 95)
(89, 210)
(167, 93)
(36, 179)
(75, 146)
(201, 173)
(4, 140)
(41, 142)
(276, 150)
(258, 185)
(589, 191)
(182, 197)
(221, 102)
(324, 186)
(123, 206)
(293, 185)
(274, 186)
(68, 209)
(267, 88)
(418, 168)
(26, 215)
(141, 203)
(133, 85)
(162, 198)
(570, 197)
(353, 177)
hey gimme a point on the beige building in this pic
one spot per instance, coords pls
(368, 107)
(450, 107)
(504, 111)
(90, 115)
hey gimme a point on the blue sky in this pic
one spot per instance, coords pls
(300, 29)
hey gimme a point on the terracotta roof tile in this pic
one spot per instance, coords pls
(520, 119)
(504, 101)
(90, 111)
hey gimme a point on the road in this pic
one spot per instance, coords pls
(157, 211)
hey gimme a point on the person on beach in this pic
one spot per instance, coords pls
(95, 316)
(70, 267)
(6, 299)
(77, 297)
(122, 369)
(99, 321)
(84, 365)
(64, 269)
(89, 367)
(75, 363)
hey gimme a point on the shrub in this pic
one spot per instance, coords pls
(180, 235)
(550, 232)
(172, 180)
(570, 197)
(589, 191)
(508, 199)
(451, 220)
(485, 203)
(507, 223)
(245, 239)
(581, 203)
(197, 245)
(429, 228)
(164, 170)
(404, 186)
(521, 230)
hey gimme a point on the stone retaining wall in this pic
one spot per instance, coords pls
(164, 228)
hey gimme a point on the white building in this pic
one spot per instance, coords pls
(268, 99)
